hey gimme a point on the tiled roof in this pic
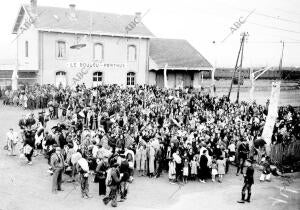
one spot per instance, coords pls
(58, 19)
(177, 53)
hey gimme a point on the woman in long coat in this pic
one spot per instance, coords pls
(138, 158)
(151, 160)
(143, 160)
(101, 176)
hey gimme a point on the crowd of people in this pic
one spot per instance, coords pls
(30, 97)
(113, 132)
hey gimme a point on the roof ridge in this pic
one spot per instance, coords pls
(57, 18)
(80, 10)
(175, 39)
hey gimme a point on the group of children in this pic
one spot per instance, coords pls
(190, 169)
(217, 166)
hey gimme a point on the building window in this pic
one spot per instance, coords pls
(131, 78)
(131, 53)
(97, 78)
(61, 49)
(98, 52)
(26, 49)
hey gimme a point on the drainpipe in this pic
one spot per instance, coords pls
(41, 56)
(213, 82)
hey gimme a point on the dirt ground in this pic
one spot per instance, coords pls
(24, 187)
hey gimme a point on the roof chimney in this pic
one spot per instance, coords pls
(33, 6)
(138, 16)
(72, 10)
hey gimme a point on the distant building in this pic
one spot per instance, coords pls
(69, 46)
(185, 64)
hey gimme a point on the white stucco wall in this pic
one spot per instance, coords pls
(115, 52)
(30, 63)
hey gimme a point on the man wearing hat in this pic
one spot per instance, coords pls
(41, 118)
(248, 181)
(30, 120)
(57, 164)
(124, 182)
(83, 169)
(12, 139)
(242, 153)
(113, 182)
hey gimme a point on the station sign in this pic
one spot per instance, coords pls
(97, 65)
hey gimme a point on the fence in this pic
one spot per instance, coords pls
(282, 154)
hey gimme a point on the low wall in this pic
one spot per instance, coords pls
(285, 154)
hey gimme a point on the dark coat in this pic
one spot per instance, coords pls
(249, 175)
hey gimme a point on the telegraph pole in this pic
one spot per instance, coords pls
(280, 63)
(238, 66)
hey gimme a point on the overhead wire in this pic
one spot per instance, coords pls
(273, 27)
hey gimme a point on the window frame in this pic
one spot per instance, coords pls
(130, 78)
(26, 49)
(57, 49)
(135, 53)
(97, 82)
(97, 76)
(102, 53)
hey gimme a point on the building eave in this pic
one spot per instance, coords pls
(14, 30)
(100, 33)
(185, 68)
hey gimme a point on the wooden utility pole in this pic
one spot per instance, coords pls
(280, 63)
(240, 68)
(237, 65)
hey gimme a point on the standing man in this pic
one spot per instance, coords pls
(57, 164)
(55, 107)
(49, 149)
(124, 183)
(204, 170)
(22, 125)
(41, 118)
(113, 182)
(29, 145)
(83, 170)
(158, 161)
(12, 140)
(129, 155)
(243, 151)
(248, 181)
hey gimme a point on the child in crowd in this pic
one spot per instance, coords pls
(172, 171)
(266, 173)
(221, 163)
(185, 170)
(194, 168)
(214, 170)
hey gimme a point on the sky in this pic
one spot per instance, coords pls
(204, 23)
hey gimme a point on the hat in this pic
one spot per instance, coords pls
(250, 159)
(113, 162)
(70, 145)
(57, 148)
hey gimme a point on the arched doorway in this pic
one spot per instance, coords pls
(60, 79)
